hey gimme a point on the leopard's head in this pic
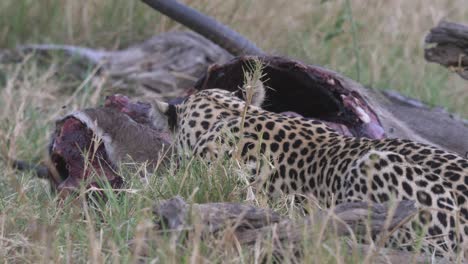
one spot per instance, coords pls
(200, 110)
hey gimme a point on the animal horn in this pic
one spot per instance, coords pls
(163, 107)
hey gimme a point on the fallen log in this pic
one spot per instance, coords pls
(448, 133)
(41, 171)
(251, 224)
(206, 26)
(391, 256)
(448, 46)
(163, 66)
(250, 221)
(434, 124)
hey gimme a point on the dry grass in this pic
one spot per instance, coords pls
(378, 42)
(387, 46)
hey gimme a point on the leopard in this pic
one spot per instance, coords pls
(302, 156)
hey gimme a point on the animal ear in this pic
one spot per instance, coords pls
(159, 115)
(259, 94)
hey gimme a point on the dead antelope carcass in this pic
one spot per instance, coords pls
(93, 142)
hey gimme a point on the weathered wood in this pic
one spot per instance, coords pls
(40, 170)
(162, 66)
(250, 221)
(174, 214)
(344, 219)
(451, 47)
(392, 256)
(251, 224)
(434, 125)
(206, 26)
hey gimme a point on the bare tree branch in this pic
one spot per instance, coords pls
(41, 171)
(451, 47)
(206, 26)
(252, 223)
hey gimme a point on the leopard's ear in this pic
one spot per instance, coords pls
(259, 94)
(160, 115)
